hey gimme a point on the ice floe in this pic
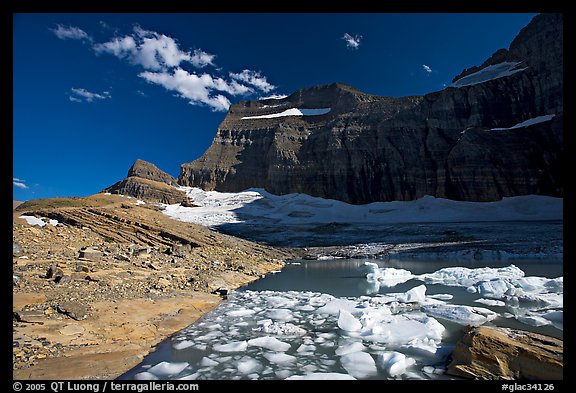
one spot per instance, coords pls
(322, 377)
(395, 363)
(464, 315)
(271, 343)
(359, 364)
(395, 335)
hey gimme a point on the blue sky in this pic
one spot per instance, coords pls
(94, 92)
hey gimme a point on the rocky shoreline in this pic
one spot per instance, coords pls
(84, 298)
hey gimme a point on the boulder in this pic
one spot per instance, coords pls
(502, 353)
(73, 309)
(91, 253)
(30, 316)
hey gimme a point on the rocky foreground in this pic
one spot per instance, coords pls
(111, 280)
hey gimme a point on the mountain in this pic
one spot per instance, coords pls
(495, 132)
(149, 183)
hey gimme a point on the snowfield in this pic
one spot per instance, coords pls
(489, 73)
(257, 206)
(292, 112)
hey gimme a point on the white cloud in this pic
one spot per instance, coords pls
(83, 95)
(19, 183)
(427, 68)
(71, 33)
(162, 60)
(352, 42)
(253, 78)
(201, 59)
(119, 47)
(197, 89)
(153, 51)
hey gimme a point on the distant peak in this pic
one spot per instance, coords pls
(147, 170)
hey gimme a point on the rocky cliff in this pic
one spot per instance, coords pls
(149, 183)
(495, 132)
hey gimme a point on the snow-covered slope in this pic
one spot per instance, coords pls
(258, 206)
(489, 73)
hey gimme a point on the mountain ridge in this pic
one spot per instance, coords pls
(367, 148)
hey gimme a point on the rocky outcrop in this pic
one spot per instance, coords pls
(495, 132)
(148, 183)
(146, 170)
(501, 353)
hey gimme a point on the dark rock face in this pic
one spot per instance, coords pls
(145, 181)
(147, 190)
(501, 353)
(146, 170)
(369, 148)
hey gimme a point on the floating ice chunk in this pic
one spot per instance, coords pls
(359, 364)
(306, 348)
(271, 343)
(441, 296)
(350, 348)
(53, 222)
(280, 314)
(395, 363)
(281, 329)
(333, 307)
(223, 359)
(166, 368)
(145, 376)
(283, 374)
(306, 307)
(541, 284)
(369, 267)
(533, 320)
(240, 313)
(464, 315)
(309, 368)
(280, 302)
(248, 365)
(399, 330)
(490, 302)
(414, 295)
(388, 276)
(207, 362)
(279, 358)
(322, 377)
(234, 346)
(495, 287)
(423, 347)
(346, 321)
(182, 345)
(465, 277)
(190, 377)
